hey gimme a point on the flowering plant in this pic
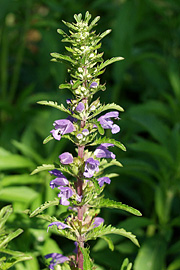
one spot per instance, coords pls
(82, 191)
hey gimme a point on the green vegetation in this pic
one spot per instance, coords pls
(146, 84)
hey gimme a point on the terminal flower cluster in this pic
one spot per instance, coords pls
(80, 174)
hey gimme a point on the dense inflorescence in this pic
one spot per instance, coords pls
(84, 127)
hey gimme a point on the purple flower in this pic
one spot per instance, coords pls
(62, 127)
(61, 180)
(91, 166)
(68, 101)
(102, 152)
(93, 84)
(56, 259)
(85, 132)
(76, 248)
(80, 107)
(66, 158)
(65, 194)
(103, 180)
(107, 123)
(97, 221)
(60, 225)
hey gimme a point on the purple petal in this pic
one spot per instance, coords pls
(59, 182)
(107, 123)
(115, 129)
(93, 84)
(65, 194)
(57, 173)
(91, 166)
(97, 221)
(85, 132)
(62, 126)
(103, 180)
(102, 152)
(56, 259)
(60, 225)
(66, 158)
(80, 107)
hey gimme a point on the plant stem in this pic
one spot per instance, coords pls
(80, 208)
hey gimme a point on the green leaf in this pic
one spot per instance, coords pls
(126, 265)
(104, 163)
(64, 86)
(48, 139)
(107, 203)
(99, 127)
(5, 212)
(44, 206)
(151, 255)
(10, 236)
(110, 106)
(100, 231)
(43, 167)
(54, 105)
(19, 194)
(109, 241)
(63, 57)
(93, 23)
(13, 161)
(61, 32)
(105, 33)
(108, 140)
(110, 61)
(87, 262)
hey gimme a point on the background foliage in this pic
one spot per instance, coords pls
(147, 84)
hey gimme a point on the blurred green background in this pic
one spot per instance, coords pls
(146, 84)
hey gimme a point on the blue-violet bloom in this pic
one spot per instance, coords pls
(85, 132)
(93, 84)
(102, 151)
(107, 123)
(91, 166)
(103, 180)
(80, 107)
(66, 158)
(61, 180)
(56, 259)
(65, 194)
(60, 225)
(62, 126)
(97, 221)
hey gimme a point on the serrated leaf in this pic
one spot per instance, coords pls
(63, 57)
(54, 105)
(48, 139)
(109, 241)
(108, 140)
(107, 203)
(100, 231)
(110, 106)
(10, 236)
(43, 167)
(44, 206)
(65, 233)
(110, 61)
